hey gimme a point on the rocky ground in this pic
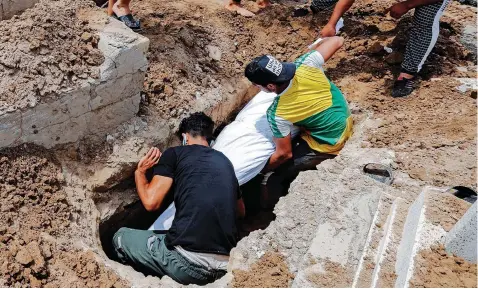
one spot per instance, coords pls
(47, 50)
(197, 47)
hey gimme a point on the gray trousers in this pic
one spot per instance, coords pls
(423, 35)
(146, 252)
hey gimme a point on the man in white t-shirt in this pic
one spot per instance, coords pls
(247, 142)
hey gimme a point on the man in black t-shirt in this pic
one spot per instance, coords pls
(206, 194)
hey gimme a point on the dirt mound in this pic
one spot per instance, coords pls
(36, 244)
(44, 51)
(437, 268)
(269, 272)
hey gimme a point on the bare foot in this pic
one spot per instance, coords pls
(404, 75)
(263, 3)
(120, 9)
(234, 7)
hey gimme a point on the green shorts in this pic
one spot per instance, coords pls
(146, 252)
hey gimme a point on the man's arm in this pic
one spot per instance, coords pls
(341, 7)
(397, 10)
(151, 194)
(327, 47)
(282, 153)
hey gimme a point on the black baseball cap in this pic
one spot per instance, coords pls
(267, 69)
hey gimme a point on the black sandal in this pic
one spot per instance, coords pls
(129, 21)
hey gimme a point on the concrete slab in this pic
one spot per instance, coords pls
(380, 223)
(327, 215)
(461, 240)
(96, 106)
(427, 222)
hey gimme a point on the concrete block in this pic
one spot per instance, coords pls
(8, 8)
(426, 225)
(96, 106)
(468, 38)
(339, 240)
(123, 49)
(379, 254)
(461, 240)
(363, 275)
(10, 128)
(70, 105)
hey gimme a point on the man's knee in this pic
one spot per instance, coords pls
(118, 245)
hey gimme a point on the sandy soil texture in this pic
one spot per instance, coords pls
(48, 50)
(269, 272)
(440, 269)
(35, 234)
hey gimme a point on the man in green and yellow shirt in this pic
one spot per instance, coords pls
(308, 100)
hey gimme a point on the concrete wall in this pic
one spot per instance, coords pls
(8, 8)
(461, 240)
(96, 106)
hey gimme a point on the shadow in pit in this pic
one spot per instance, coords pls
(133, 216)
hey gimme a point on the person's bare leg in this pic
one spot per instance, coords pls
(110, 7)
(121, 7)
(405, 75)
(235, 6)
(263, 3)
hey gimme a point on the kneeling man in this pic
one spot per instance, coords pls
(206, 194)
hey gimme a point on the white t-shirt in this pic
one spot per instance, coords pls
(247, 142)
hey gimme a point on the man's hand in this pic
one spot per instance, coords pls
(149, 160)
(398, 9)
(328, 30)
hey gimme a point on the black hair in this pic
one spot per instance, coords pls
(197, 124)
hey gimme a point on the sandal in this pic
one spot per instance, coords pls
(129, 21)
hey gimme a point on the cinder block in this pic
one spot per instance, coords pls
(461, 240)
(96, 106)
(426, 225)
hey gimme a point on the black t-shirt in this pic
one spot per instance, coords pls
(205, 192)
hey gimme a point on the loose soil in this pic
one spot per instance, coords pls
(35, 227)
(432, 131)
(335, 276)
(270, 271)
(436, 268)
(44, 51)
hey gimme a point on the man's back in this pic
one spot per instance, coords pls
(205, 194)
(247, 141)
(315, 104)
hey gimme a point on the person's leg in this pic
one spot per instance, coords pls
(422, 39)
(304, 159)
(263, 3)
(121, 7)
(235, 6)
(322, 5)
(110, 7)
(146, 252)
(133, 247)
(122, 11)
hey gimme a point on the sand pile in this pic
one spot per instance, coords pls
(44, 51)
(37, 241)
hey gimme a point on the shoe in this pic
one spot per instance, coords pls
(129, 21)
(403, 87)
